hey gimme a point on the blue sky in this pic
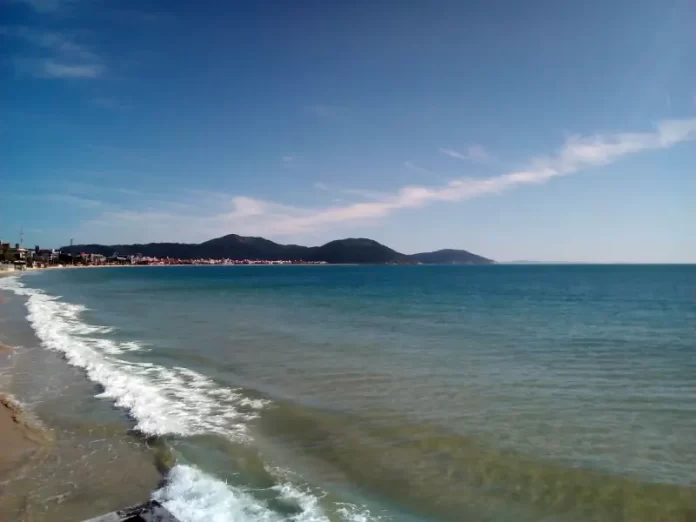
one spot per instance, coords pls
(517, 130)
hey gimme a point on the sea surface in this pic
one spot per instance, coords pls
(366, 393)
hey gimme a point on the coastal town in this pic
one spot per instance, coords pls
(17, 257)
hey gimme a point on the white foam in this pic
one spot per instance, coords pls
(193, 496)
(173, 401)
(161, 400)
(115, 348)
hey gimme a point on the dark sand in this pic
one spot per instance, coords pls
(22, 440)
(62, 468)
(23, 445)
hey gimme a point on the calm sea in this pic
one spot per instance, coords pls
(391, 393)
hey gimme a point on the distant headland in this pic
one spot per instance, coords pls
(235, 247)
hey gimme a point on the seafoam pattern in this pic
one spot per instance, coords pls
(194, 496)
(172, 401)
(161, 400)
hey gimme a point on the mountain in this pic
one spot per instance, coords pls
(359, 250)
(233, 246)
(450, 257)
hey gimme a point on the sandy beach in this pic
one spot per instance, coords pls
(55, 465)
(22, 440)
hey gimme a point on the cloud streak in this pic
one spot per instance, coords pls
(63, 57)
(255, 216)
(475, 153)
(53, 69)
(46, 6)
(70, 200)
(409, 165)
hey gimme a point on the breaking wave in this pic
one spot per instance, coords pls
(174, 401)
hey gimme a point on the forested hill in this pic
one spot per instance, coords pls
(232, 246)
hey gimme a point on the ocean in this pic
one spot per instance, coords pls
(360, 393)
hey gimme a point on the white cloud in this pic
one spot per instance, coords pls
(245, 207)
(260, 217)
(57, 42)
(53, 69)
(288, 159)
(415, 168)
(364, 194)
(63, 56)
(90, 189)
(475, 153)
(70, 200)
(46, 6)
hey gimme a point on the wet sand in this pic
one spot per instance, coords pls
(22, 440)
(56, 464)
(54, 476)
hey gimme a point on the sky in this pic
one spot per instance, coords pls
(544, 130)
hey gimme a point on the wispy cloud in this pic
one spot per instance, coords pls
(53, 69)
(70, 200)
(360, 193)
(409, 165)
(256, 216)
(47, 6)
(288, 159)
(50, 40)
(62, 56)
(475, 153)
(92, 190)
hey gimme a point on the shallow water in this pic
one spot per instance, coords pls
(89, 462)
(381, 393)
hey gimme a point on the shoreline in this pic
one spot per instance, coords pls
(10, 273)
(57, 465)
(22, 438)
(25, 441)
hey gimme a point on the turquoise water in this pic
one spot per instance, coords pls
(393, 393)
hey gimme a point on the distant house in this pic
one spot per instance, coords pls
(6, 258)
(46, 256)
(116, 258)
(67, 258)
(96, 259)
(5, 255)
(10, 254)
